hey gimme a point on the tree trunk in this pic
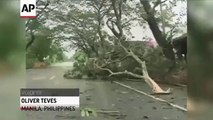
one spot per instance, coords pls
(159, 37)
(31, 40)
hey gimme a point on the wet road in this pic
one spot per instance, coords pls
(103, 96)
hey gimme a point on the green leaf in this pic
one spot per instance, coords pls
(87, 113)
(83, 113)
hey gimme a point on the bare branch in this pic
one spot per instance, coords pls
(111, 27)
(118, 14)
(158, 2)
(115, 61)
(153, 97)
(119, 73)
(170, 34)
(42, 10)
(31, 39)
(126, 23)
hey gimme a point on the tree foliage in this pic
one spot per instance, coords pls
(41, 43)
(99, 28)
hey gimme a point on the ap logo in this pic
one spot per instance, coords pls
(28, 8)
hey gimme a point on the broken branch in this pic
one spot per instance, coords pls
(153, 97)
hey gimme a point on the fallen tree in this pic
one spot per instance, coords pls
(155, 87)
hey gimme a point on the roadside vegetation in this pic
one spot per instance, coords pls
(100, 33)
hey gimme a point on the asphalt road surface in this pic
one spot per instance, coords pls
(110, 101)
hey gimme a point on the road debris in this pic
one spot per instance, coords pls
(90, 112)
(153, 97)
